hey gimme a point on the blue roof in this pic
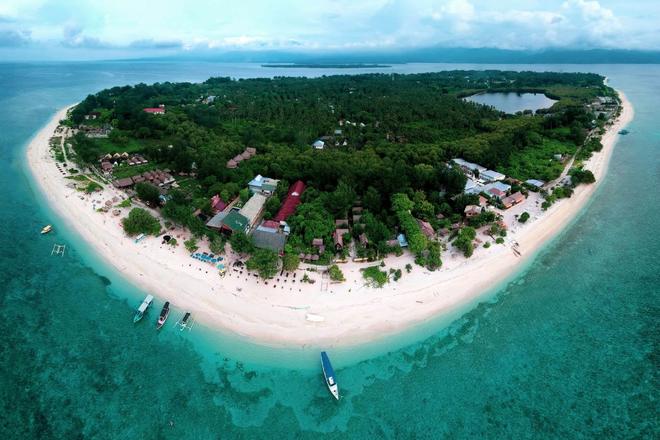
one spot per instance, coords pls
(402, 240)
(535, 182)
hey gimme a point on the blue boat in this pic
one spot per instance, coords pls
(329, 375)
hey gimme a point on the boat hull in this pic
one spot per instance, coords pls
(329, 374)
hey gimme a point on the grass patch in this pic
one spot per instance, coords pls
(538, 162)
(121, 171)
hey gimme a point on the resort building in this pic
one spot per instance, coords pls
(513, 199)
(338, 238)
(538, 184)
(291, 202)
(270, 235)
(472, 211)
(497, 189)
(426, 228)
(217, 204)
(263, 185)
(318, 144)
(243, 219)
(155, 110)
(469, 166)
(253, 209)
(491, 176)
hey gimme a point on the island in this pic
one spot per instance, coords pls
(327, 65)
(327, 211)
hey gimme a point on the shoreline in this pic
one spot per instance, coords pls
(275, 314)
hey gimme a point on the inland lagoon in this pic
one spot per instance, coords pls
(512, 102)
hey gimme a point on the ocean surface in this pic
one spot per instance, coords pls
(567, 349)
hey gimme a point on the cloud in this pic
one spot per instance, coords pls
(156, 44)
(14, 38)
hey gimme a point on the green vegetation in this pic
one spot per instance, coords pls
(217, 245)
(124, 203)
(148, 193)
(579, 175)
(335, 273)
(140, 221)
(374, 276)
(191, 245)
(523, 217)
(388, 138)
(264, 262)
(464, 240)
(290, 262)
(92, 186)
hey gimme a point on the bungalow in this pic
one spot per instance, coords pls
(426, 228)
(106, 167)
(318, 243)
(513, 199)
(338, 238)
(497, 189)
(402, 240)
(231, 164)
(262, 185)
(217, 204)
(491, 176)
(483, 202)
(472, 211)
(126, 182)
(318, 144)
(341, 222)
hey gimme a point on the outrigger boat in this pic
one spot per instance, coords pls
(46, 229)
(186, 322)
(139, 313)
(164, 313)
(329, 375)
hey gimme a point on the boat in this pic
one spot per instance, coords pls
(623, 132)
(186, 322)
(139, 313)
(46, 229)
(314, 318)
(164, 313)
(329, 375)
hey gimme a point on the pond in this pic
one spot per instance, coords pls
(513, 102)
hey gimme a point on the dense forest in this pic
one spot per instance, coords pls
(384, 135)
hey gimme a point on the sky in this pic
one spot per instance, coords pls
(77, 29)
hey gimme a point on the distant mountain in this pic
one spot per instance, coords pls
(433, 55)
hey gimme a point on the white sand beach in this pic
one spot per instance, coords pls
(276, 313)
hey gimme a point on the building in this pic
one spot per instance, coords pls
(538, 184)
(472, 187)
(155, 110)
(262, 185)
(234, 221)
(269, 235)
(491, 176)
(469, 166)
(253, 209)
(126, 182)
(217, 204)
(513, 199)
(497, 189)
(426, 228)
(402, 240)
(318, 144)
(472, 211)
(338, 238)
(291, 202)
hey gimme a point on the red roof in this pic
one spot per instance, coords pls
(291, 202)
(217, 204)
(154, 110)
(270, 224)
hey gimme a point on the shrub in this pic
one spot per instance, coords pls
(148, 193)
(374, 276)
(264, 261)
(336, 274)
(191, 245)
(523, 217)
(290, 262)
(499, 240)
(140, 221)
(487, 244)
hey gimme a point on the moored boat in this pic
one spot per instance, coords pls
(164, 313)
(46, 229)
(139, 313)
(185, 322)
(329, 375)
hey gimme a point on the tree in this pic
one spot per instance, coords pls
(148, 193)
(191, 245)
(264, 261)
(241, 243)
(290, 262)
(217, 244)
(140, 221)
(464, 241)
(336, 274)
(374, 276)
(523, 217)
(433, 260)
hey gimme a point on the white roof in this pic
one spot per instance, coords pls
(498, 185)
(253, 206)
(535, 182)
(492, 175)
(469, 165)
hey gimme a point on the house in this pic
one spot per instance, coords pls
(234, 221)
(538, 184)
(491, 176)
(318, 144)
(318, 243)
(483, 201)
(217, 204)
(472, 211)
(106, 167)
(469, 167)
(291, 202)
(262, 185)
(513, 199)
(253, 209)
(126, 182)
(426, 228)
(402, 240)
(497, 189)
(338, 238)
(269, 235)
(472, 187)
(231, 164)
(155, 110)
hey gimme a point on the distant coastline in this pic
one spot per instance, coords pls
(281, 318)
(327, 66)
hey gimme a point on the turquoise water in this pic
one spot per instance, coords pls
(568, 349)
(513, 102)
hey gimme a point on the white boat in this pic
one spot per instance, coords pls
(139, 313)
(314, 318)
(46, 229)
(329, 375)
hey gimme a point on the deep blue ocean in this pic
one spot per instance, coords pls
(569, 348)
